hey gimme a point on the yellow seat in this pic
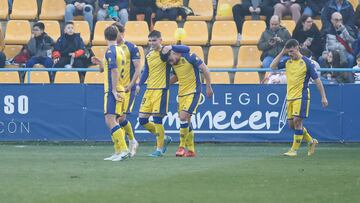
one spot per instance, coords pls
(224, 33)
(232, 3)
(198, 50)
(24, 10)
(99, 51)
(4, 9)
(137, 32)
(249, 57)
(289, 25)
(99, 38)
(17, 32)
(11, 51)
(318, 23)
(167, 29)
(203, 10)
(52, 28)
(83, 28)
(220, 78)
(9, 77)
(94, 78)
(220, 57)
(52, 10)
(142, 56)
(252, 31)
(246, 78)
(67, 77)
(38, 77)
(196, 33)
(354, 3)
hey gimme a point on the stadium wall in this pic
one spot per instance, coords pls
(236, 113)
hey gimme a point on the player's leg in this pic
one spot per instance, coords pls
(184, 131)
(127, 127)
(191, 107)
(304, 113)
(190, 142)
(290, 115)
(145, 112)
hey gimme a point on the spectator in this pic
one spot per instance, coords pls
(80, 8)
(168, 9)
(146, 7)
(2, 55)
(357, 17)
(339, 37)
(308, 35)
(255, 8)
(276, 77)
(39, 47)
(114, 9)
(333, 61)
(314, 7)
(307, 52)
(343, 7)
(293, 7)
(272, 41)
(357, 67)
(69, 48)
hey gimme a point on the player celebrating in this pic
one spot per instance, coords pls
(299, 69)
(114, 93)
(155, 100)
(187, 68)
(128, 77)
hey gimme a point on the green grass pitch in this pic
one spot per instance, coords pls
(220, 173)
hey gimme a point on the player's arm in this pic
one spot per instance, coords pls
(321, 89)
(173, 79)
(144, 74)
(204, 69)
(275, 63)
(135, 77)
(114, 82)
(97, 61)
(180, 49)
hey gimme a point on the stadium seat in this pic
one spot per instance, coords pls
(224, 33)
(198, 50)
(220, 78)
(231, 3)
(354, 3)
(252, 31)
(203, 10)
(137, 32)
(249, 57)
(99, 38)
(24, 10)
(142, 56)
(9, 77)
(52, 28)
(38, 77)
(52, 10)
(83, 28)
(246, 78)
(94, 77)
(99, 51)
(4, 9)
(67, 77)
(318, 24)
(220, 57)
(17, 32)
(11, 51)
(196, 33)
(167, 29)
(289, 25)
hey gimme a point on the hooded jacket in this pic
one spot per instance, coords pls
(40, 46)
(274, 50)
(69, 44)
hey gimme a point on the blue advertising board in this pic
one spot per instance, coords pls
(236, 113)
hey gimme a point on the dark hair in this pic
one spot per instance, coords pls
(69, 23)
(336, 62)
(155, 34)
(299, 25)
(358, 56)
(306, 52)
(40, 25)
(291, 43)
(111, 33)
(119, 27)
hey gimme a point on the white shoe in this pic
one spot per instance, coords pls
(122, 156)
(133, 146)
(110, 158)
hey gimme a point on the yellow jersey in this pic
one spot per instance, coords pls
(188, 74)
(156, 71)
(298, 74)
(114, 58)
(131, 53)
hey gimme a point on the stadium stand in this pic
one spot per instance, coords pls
(24, 10)
(224, 33)
(246, 78)
(196, 33)
(220, 3)
(12, 50)
(198, 50)
(220, 78)
(289, 25)
(142, 56)
(137, 32)
(220, 57)
(4, 9)
(52, 10)
(17, 32)
(83, 28)
(37, 77)
(318, 23)
(167, 29)
(252, 31)
(354, 3)
(9, 77)
(203, 10)
(249, 57)
(94, 78)
(67, 77)
(52, 28)
(99, 38)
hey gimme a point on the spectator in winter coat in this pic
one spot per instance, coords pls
(146, 7)
(168, 9)
(80, 8)
(343, 7)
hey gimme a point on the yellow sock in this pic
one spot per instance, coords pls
(307, 136)
(129, 131)
(119, 137)
(150, 126)
(298, 136)
(117, 147)
(160, 136)
(190, 141)
(184, 131)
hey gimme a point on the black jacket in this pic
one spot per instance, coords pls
(69, 44)
(316, 46)
(40, 46)
(316, 5)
